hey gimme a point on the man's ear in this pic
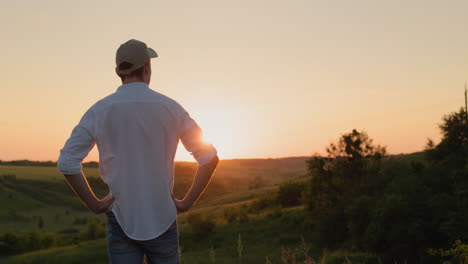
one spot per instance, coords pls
(148, 66)
(117, 71)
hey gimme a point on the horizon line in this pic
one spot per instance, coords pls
(261, 158)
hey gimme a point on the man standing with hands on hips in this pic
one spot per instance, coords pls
(137, 130)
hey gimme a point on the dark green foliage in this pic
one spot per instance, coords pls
(69, 230)
(290, 193)
(230, 214)
(93, 231)
(276, 212)
(355, 146)
(398, 223)
(9, 177)
(395, 207)
(359, 215)
(458, 253)
(455, 131)
(201, 224)
(454, 140)
(265, 200)
(346, 167)
(330, 230)
(238, 213)
(15, 243)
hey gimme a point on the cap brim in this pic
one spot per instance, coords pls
(152, 53)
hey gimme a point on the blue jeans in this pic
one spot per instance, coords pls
(163, 249)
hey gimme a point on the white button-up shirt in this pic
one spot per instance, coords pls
(137, 131)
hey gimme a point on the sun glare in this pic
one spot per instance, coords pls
(224, 128)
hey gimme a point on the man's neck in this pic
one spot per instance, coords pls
(133, 80)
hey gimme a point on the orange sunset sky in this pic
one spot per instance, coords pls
(262, 78)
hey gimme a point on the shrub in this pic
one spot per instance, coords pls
(94, 230)
(395, 207)
(290, 193)
(230, 214)
(201, 224)
(332, 229)
(276, 212)
(242, 215)
(16, 243)
(266, 200)
(69, 230)
(458, 252)
(9, 177)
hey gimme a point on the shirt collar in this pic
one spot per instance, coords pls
(133, 85)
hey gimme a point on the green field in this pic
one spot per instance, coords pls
(261, 211)
(32, 193)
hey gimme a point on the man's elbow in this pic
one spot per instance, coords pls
(215, 160)
(206, 156)
(213, 163)
(68, 166)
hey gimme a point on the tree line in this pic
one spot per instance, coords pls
(35, 163)
(402, 209)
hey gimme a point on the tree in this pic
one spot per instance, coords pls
(454, 137)
(334, 179)
(455, 129)
(355, 145)
(290, 193)
(343, 168)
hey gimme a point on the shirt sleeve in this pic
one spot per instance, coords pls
(192, 139)
(77, 147)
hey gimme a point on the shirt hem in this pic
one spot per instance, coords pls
(144, 239)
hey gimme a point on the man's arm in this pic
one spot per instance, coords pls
(206, 157)
(200, 181)
(81, 188)
(76, 148)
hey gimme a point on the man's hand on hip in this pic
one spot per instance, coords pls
(81, 188)
(103, 205)
(200, 181)
(181, 205)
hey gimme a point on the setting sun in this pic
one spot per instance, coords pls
(287, 82)
(223, 126)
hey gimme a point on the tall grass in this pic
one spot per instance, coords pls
(297, 255)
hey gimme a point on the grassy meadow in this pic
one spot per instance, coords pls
(357, 204)
(35, 198)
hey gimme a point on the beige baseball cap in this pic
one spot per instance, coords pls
(134, 52)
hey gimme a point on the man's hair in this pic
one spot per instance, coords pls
(126, 65)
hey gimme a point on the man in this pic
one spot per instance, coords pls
(137, 131)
